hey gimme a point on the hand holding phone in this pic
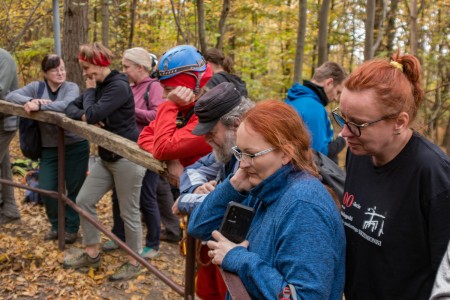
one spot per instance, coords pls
(236, 222)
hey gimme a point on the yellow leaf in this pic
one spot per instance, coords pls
(91, 273)
(3, 257)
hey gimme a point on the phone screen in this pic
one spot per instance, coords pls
(236, 222)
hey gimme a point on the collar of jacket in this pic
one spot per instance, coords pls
(270, 189)
(318, 90)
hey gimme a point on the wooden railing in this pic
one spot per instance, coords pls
(131, 151)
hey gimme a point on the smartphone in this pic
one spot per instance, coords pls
(236, 222)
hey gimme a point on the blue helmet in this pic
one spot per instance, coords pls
(178, 60)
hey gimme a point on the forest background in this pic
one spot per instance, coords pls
(273, 43)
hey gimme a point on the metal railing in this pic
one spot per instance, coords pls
(132, 152)
(124, 148)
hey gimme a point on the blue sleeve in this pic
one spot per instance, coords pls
(207, 216)
(188, 202)
(296, 257)
(203, 170)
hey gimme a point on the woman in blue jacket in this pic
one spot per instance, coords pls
(296, 237)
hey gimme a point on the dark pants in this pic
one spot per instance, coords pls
(149, 209)
(76, 166)
(166, 196)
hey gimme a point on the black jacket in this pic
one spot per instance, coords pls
(226, 77)
(112, 103)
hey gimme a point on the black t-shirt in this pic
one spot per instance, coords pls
(397, 222)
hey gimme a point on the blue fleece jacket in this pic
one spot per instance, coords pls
(296, 236)
(309, 106)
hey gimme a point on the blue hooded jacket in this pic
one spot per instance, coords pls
(296, 236)
(312, 110)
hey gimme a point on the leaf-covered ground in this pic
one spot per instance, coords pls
(31, 268)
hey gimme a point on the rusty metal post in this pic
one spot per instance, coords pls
(61, 190)
(189, 276)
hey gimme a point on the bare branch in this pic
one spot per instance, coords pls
(13, 44)
(178, 22)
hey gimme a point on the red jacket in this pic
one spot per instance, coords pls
(167, 142)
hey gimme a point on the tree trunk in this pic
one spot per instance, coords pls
(323, 32)
(447, 137)
(105, 23)
(75, 33)
(381, 11)
(390, 29)
(413, 13)
(201, 26)
(133, 22)
(95, 21)
(222, 23)
(300, 49)
(368, 44)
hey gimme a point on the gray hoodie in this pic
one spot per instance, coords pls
(8, 82)
(67, 92)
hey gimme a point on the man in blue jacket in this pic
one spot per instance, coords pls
(310, 99)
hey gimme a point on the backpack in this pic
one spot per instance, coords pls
(331, 174)
(29, 170)
(147, 94)
(32, 180)
(29, 134)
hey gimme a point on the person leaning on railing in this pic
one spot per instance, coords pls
(108, 102)
(56, 94)
(296, 238)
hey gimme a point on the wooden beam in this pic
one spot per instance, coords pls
(235, 287)
(117, 144)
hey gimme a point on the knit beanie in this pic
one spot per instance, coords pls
(139, 56)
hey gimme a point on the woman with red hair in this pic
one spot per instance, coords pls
(396, 204)
(296, 238)
(108, 102)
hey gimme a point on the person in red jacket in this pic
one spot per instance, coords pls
(182, 72)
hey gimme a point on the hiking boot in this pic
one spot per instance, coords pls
(125, 271)
(149, 253)
(82, 260)
(71, 238)
(51, 235)
(169, 237)
(110, 246)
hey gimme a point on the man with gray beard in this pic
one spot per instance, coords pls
(219, 112)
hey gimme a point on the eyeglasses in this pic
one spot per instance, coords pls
(56, 70)
(353, 127)
(247, 157)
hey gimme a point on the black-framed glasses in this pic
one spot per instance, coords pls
(353, 127)
(247, 157)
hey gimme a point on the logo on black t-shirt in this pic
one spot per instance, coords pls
(375, 221)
